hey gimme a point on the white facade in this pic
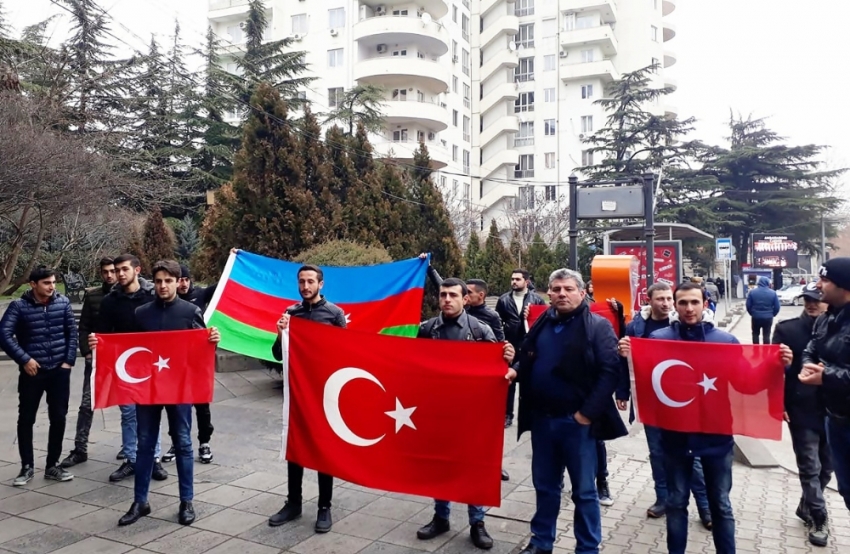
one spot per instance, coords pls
(500, 91)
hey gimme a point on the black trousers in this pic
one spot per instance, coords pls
(509, 408)
(56, 385)
(762, 326)
(205, 426)
(296, 477)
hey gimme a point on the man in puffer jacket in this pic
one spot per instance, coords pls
(763, 306)
(38, 331)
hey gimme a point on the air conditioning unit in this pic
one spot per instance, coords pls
(432, 136)
(334, 32)
(563, 54)
(381, 10)
(382, 48)
(297, 37)
(454, 59)
(581, 136)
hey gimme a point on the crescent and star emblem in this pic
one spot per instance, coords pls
(121, 365)
(658, 373)
(333, 388)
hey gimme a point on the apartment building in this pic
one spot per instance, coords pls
(500, 91)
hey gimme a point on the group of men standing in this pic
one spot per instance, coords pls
(39, 332)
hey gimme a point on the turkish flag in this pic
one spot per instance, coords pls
(702, 387)
(414, 416)
(164, 367)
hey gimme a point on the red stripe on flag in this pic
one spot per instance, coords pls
(262, 311)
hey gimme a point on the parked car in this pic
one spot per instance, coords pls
(790, 295)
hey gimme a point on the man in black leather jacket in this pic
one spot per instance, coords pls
(826, 363)
(805, 416)
(315, 307)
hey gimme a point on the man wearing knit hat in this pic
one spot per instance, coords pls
(826, 363)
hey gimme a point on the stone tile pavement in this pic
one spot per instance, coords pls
(247, 483)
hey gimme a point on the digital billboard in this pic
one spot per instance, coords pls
(774, 251)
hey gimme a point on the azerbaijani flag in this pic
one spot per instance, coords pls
(254, 291)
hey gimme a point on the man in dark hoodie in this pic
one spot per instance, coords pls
(88, 320)
(715, 451)
(39, 333)
(117, 315)
(806, 417)
(762, 305)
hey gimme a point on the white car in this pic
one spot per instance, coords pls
(790, 295)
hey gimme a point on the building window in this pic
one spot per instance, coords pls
(587, 91)
(235, 34)
(299, 24)
(335, 96)
(399, 94)
(549, 62)
(465, 60)
(443, 181)
(525, 201)
(569, 21)
(454, 83)
(549, 127)
(586, 157)
(400, 13)
(464, 27)
(587, 21)
(454, 152)
(466, 127)
(301, 95)
(587, 56)
(587, 124)
(525, 167)
(455, 188)
(654, 4)
(525, 136)
(454, 51)
(336, 18)
(466, 191)
(524, 71)
(454, 117)
(400, 135)
(655, 65)
(466, 157)
(549, 158)
(548, 94)
(653, 33)
(399, 52)
(335, 57)
(551, 192)
(467, 93)
(454, 14)
(525, 37)
(524, 7)
(524, 103)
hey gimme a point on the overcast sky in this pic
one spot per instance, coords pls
(776, 59)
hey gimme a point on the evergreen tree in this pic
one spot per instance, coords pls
(344, 253)
(398, 232)
(360, 105)
(157, 239)
(187, 238)
(496, 262)
(540, 262)
(319, 178)
(473, 258)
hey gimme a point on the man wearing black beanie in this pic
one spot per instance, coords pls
(826, 363)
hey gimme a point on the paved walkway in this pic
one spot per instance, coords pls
(247, 483)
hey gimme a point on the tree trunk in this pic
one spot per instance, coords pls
(8, 268)
(22, 279)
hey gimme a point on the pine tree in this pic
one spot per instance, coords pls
(360, 105)
(497, 263)
(157, 238)
(540, 262)
(473, 257)
(187, 238)
(319, 179)
(398, 232)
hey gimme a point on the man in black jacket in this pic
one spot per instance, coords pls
(315, 307)
(166, 313)
(805, 416)
(117, 315)
(38, 331)
(826, 363)
(512, 307)
(568, 372)
(88, 319)
(200, 297)
(455, 323)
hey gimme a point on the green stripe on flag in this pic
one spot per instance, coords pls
(401, 330)
(243, 339)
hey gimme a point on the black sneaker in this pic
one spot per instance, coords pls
(657, 510)
(205, 455)
(705, 519)
(509, 420)
(170, 455)
(324, 521)
(121, 455)
(435, 528)
(819, 532)
(604, 493)
(57, 473)
(289, 512)
(159, 472)
(803, 513)
(74, 458)
(126, 470)
(480, 537)
(24, 477)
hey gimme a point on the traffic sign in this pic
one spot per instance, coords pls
(723, 248)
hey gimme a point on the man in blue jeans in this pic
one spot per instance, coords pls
(568, 370)
(714, 451)
(651, 318)
(166, 313)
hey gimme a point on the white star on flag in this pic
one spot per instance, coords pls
(401, 415)
(162, 363)
(348, 318)
(707, 384)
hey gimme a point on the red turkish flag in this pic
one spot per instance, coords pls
(164, 367)
(414, 416)
(703, 387)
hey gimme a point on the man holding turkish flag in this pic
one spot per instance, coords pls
(700, 395)
(413, 416)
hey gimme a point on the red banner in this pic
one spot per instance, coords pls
(667, 265)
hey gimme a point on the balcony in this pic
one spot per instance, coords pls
(506, 25)
(523, 141)
(669, 58)
(505, 124)
(602, 69)
(493, 164)
(222, 11)
(671, 111)
(431, 115)
(435, 8)
(504, 59)
(499, 191)
(431, 37)
(607, 8)
(601, 36)
(497, 96)
(403, 151)
(671, 83)
(668, 7)
(669, 31)
(397, 71)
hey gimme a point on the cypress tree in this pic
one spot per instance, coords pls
(157, 239)
(497, 263)
(473, 257)
(319, 179)
(541, 261)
